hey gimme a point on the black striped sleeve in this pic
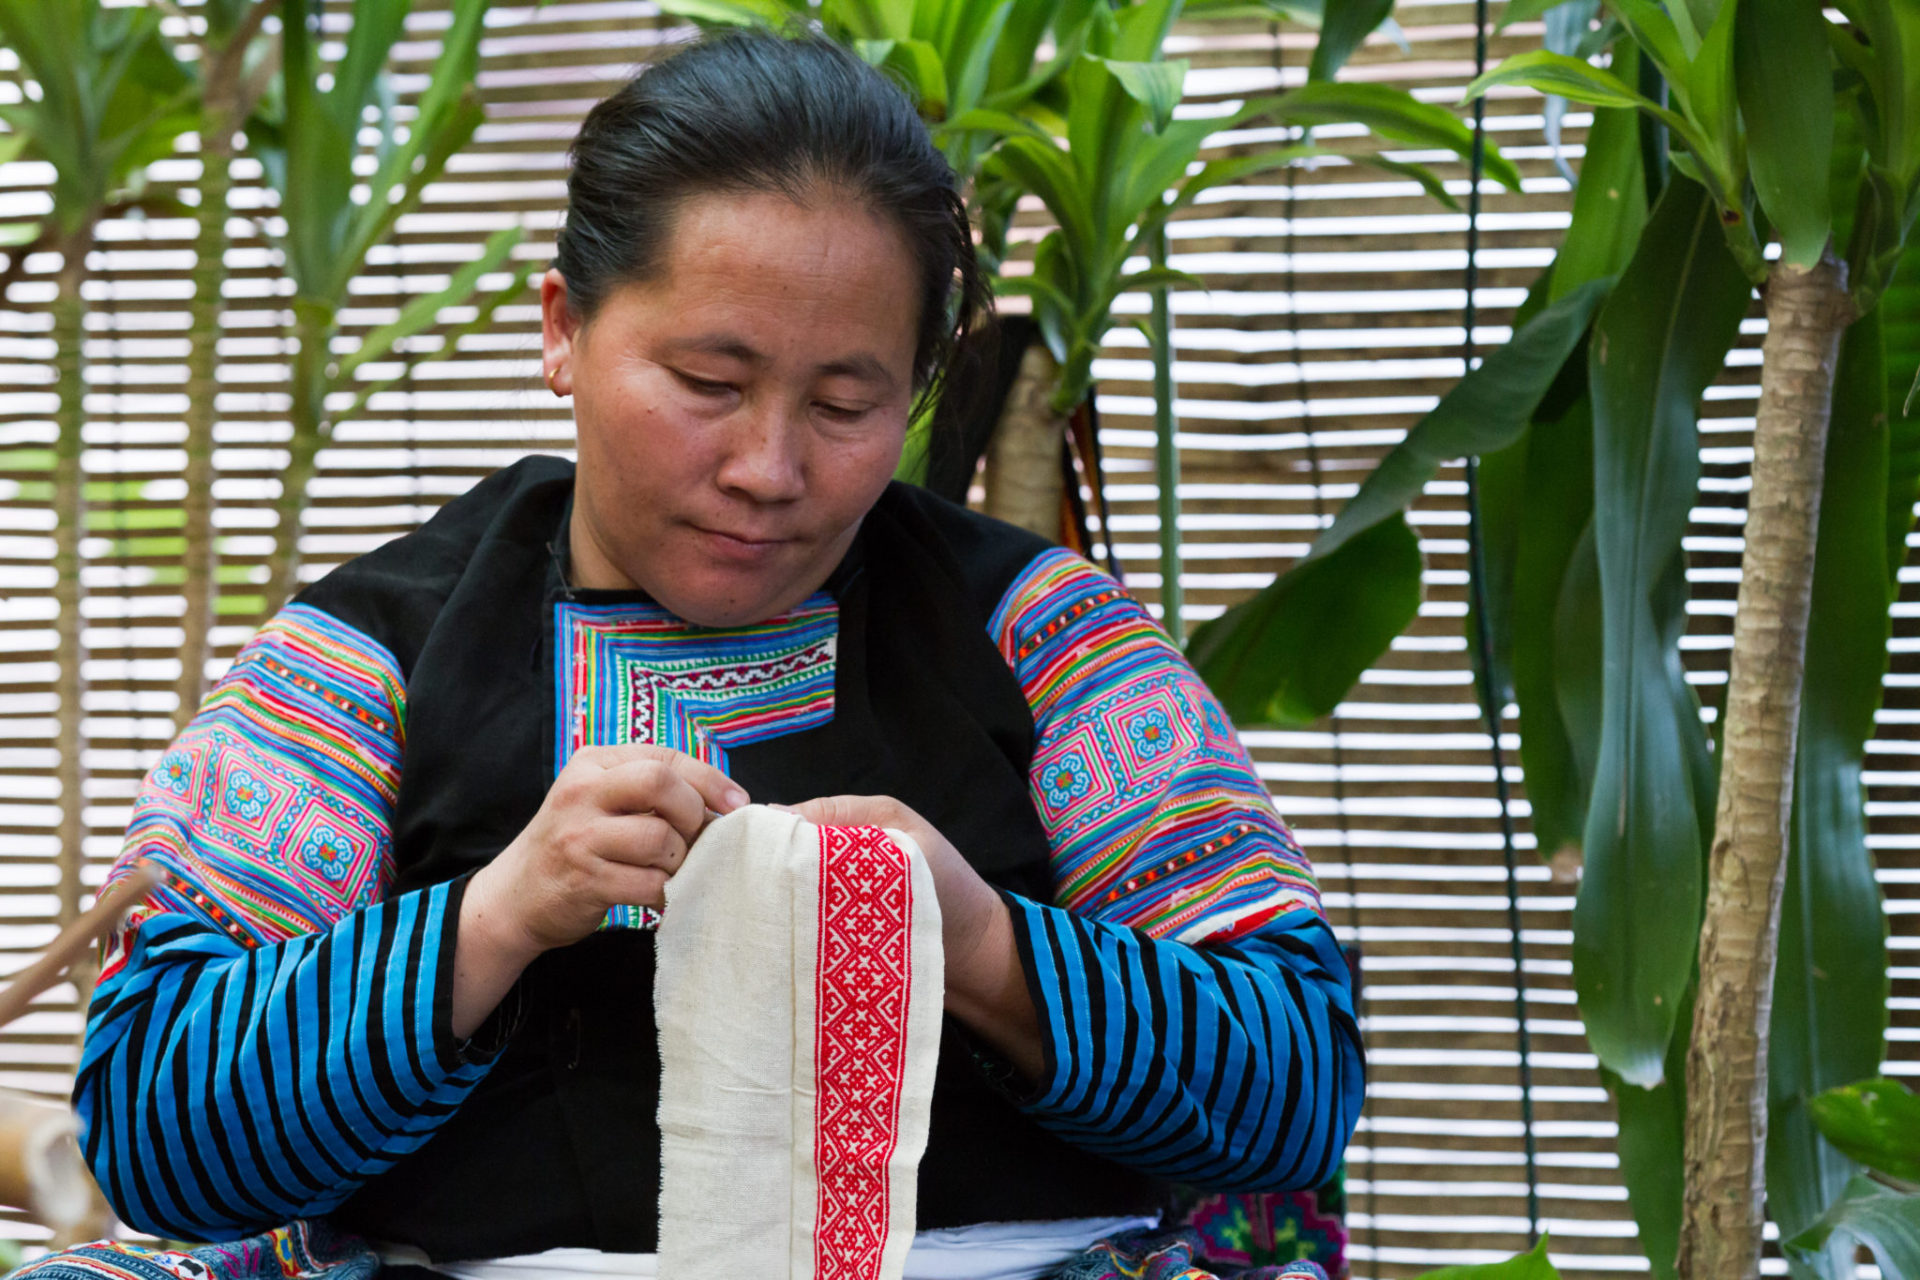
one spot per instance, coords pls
(1230, 1067)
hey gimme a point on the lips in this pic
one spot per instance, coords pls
(743, 539)
(740, 548)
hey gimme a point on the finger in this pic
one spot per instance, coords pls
(651, 786)
(851, 811)
(624, 886)
(639, 840)
(720, 793)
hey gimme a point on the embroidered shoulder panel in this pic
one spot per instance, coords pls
(1157, 817)
(271, 813)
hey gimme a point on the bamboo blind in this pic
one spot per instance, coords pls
(1333, 320)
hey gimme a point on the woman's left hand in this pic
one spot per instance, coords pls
(986, 984)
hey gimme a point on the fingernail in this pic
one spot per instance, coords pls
(735, 798)
(783, 808)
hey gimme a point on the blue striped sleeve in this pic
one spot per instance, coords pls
(270, 1029)
(1234, 1066)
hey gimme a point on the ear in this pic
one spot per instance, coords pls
(559, 330)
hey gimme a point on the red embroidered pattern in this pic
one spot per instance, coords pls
(860, 1044)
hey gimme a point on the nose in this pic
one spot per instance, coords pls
(766, 455)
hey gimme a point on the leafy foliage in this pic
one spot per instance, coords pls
(112, 99)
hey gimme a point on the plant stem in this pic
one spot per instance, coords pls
(1166, 452)
(69, 529)
(1726, 1130)
(1023, 457)
(313, 327)
(203, 387)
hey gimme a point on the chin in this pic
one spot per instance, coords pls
(727, 604)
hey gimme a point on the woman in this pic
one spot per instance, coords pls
(399, 972)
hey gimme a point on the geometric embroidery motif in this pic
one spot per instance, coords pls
(271, 811)
(636, 673)
(860, 1044)
(1156, 817)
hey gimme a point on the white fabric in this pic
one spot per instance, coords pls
(1008, 1250)
(989, 1251)
(798, 994)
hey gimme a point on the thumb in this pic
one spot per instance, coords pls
(844, 811)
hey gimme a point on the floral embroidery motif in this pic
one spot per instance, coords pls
(328, 852)
(1152, 733)
(175, 772)
(246, 797)
(1066, 779)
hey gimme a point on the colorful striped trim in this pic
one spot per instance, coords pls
(270, 813)
(1156, 815)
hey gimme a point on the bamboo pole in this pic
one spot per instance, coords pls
(1166, 453)
(70, 515)
(202, 557)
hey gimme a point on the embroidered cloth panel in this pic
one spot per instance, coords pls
(798, 995)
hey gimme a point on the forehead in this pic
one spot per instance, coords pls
(764, 260)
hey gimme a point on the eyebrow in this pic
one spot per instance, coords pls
(862, 365)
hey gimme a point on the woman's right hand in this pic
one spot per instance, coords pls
(616, 823)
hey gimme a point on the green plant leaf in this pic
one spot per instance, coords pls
(1549, 72)
(1884, 1220)
(1531, 1265)
(733, 13)
(1899, 313)
(1661, 338)
(1344, 27)
(1650, 27)
(1261, 657)
(1786, 97)
(1652, 1146)
(1154, 85)
(1001, 123)
(422, 311)
(1391, 112)
(1525, 11)
(1609, 203)
(1289, 654)
(1708, 88)
(1830, 983)
(482, 318)
(916, 65)
(1556, 514)
(1876, 1122)
(1486, 410)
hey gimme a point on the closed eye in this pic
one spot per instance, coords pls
(703, 386)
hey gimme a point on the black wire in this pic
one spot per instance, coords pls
(1490, 698)
(1355, 925)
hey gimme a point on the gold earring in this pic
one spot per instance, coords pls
(551, 375)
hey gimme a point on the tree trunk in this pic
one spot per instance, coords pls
(303, 452)
(1023, 459)
(201, 587)
(1726, 1136)
(69, 528)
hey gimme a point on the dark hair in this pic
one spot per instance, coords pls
(753, 111)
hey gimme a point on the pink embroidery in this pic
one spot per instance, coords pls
(860, 1044)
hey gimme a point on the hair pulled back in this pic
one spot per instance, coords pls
(749, 112)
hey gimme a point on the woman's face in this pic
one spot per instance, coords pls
(739, 414)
